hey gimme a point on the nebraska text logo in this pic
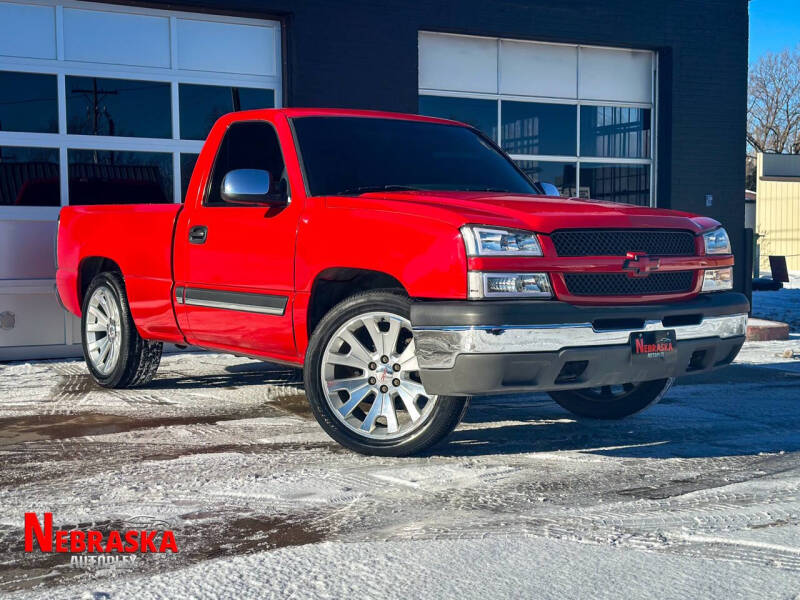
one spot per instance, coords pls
(660, 347)
(144, 536)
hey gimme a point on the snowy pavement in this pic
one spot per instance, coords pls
(697, 497)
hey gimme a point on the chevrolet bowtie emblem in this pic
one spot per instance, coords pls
(638, 264)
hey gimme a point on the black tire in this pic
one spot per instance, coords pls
(439, 421)
(138, 359)
(594, 404)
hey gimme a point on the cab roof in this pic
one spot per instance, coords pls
(342, 112)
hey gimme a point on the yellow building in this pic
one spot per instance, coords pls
(778, 208)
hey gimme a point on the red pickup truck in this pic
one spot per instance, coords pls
(407, 264)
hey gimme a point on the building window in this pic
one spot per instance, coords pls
(542, 138)
(188, 162)
(615, 131)
(560, 174)
(118, 107)
(481, 114)
(29, 177)
(28, 102)
(580, 117)
(86, 119)
(112, 177)
(202, 105)
(538, 128)
(616, 183)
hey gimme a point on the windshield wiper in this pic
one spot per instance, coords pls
(365, 189)
(485, 189)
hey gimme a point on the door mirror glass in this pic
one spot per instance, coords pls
(550, 189)
(248, 187)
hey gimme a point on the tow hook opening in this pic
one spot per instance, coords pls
(571, 371)
(698, 361)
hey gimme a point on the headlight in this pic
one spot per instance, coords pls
(717, 242)
(717, 280)
(490, 241)
(508, 285)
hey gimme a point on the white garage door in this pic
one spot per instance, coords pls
(581, 117)
(104, 103)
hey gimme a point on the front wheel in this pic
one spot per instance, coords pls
(362, 379)
(613, 401)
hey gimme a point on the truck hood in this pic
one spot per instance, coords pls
(542, 214)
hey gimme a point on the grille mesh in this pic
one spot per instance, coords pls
(620, 284)
(618, 242)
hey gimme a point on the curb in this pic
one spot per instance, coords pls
(761, 330)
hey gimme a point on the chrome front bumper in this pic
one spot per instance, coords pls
(438, 347)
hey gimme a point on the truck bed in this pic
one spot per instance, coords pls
(138, 238)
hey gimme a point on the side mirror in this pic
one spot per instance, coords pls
(249, 187)
(550, 189)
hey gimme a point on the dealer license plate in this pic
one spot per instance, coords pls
(654, 344)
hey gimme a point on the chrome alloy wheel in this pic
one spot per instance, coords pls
(370, 377)
(103, 330)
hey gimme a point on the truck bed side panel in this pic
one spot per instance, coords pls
(138, 238)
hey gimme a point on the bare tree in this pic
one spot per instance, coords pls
(773, 104)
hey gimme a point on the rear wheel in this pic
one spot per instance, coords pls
(362, 379)
(613, 401)
(117, 356)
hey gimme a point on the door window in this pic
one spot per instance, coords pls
(248, 145)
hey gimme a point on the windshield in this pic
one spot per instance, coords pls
(355, 155)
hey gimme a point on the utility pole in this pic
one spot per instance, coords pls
(97, 95)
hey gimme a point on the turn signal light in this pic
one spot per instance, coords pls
(509, 285)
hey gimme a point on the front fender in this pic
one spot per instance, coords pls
(426, 256)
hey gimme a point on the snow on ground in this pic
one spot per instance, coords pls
(781, 305)
(697, 497)
(497, 567)
(781, 355)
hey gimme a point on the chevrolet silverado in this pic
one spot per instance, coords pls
(406, 264)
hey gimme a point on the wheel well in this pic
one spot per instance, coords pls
(89, 269)
(334, 285)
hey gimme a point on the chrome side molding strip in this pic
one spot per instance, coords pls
(267, 304)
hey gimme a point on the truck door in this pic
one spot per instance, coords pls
(234, 264)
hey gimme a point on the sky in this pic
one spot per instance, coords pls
(774, 25)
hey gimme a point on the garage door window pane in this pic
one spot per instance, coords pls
(253, 98)
(615, 131)
(616, 183)
(560, 174)
(28, 102)
(481, 114)
(187, 166)
(118, 107)
(202, 105)
(535, 128)
(111, 177)
(29, 176)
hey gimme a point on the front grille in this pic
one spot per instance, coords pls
(620, 284)
(618, 242)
